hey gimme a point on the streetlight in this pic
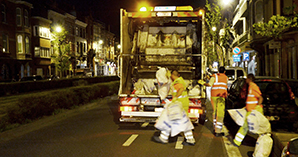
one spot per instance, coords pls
(58, 29)
(213, 28)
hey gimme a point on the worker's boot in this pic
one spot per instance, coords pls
(162, 138)
(189, 138)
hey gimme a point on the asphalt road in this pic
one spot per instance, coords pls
(93, 130)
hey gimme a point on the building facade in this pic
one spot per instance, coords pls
(262, 55)
(15, 46)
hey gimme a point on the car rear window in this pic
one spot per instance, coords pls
(230, 74)
(272, 87)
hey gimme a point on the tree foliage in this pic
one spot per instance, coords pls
(214, 19)
(61, 56)
(277, 25)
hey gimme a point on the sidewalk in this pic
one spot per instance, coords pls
(280, 141)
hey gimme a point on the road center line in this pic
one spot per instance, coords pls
(145, 124)
(130, 140)
(179, 144)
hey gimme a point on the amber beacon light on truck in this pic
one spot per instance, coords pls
(165, 11)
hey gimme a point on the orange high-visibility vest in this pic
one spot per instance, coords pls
(220, 85)
(252, 97)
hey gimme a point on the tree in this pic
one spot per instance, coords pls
(62, 55)
(217, 43)
(277, 25)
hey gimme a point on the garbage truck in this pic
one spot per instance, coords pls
(168, 37)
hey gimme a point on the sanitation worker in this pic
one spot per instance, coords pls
(174, 127)
(219, 84)
(253, 102)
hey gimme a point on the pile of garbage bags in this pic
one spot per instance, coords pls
(257, 124)
(163, 88)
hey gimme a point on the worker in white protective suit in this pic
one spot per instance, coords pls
(173, 118)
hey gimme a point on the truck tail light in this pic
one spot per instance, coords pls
(195, 110)
(128, 108)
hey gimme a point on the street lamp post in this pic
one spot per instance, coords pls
(214, 33)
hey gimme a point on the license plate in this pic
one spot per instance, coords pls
(150, 101)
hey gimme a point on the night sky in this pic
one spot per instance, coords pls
(108, 11)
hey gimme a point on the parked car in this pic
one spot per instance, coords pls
(278, 104)
(233, 73)
(291, 149)
(32, 78)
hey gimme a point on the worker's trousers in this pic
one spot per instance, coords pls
(244, 129)
(218, 105)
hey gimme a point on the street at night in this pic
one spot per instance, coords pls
(94, 130)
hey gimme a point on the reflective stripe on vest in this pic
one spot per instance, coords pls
(219, 87)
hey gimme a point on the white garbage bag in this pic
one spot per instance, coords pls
(148, 85)
(258, 123)
(195, 91)
(175, 110)
(139, 87)
(263, 146)
(164, 83)
(174, 127)
(238, 115)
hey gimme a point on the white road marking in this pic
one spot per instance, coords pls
(232, 151)
(145, 124)
(130, 140)
(179, 144)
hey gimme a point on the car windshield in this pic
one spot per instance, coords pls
(230, 74)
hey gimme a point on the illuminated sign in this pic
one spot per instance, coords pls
(165, 8)
(164, 14)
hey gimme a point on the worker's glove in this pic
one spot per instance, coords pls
(202, 82)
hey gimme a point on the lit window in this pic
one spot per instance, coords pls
(44, 32)
(18, 18)
(20, 44)
(26, 19)
(27, 45)
(36, 52)
(3, 12)
(5, 43)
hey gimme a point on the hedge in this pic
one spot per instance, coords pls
(14, 88)
(33, 106)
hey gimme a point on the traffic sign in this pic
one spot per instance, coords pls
(236, 58)
(236, 50)
(245, 56)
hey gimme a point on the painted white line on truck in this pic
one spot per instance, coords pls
(130, 140)
(145, 125)
(179, 144)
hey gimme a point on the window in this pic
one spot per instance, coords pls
(36, 52)
(240, 73)
(288, 7)
(259, 11)
(20, 44)
(18, 18)
(44, 32)
(77, 31)
(3, 13)
(35, 30)
(26, 19)
(27, 45)
(5, 43)
(42, 52)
